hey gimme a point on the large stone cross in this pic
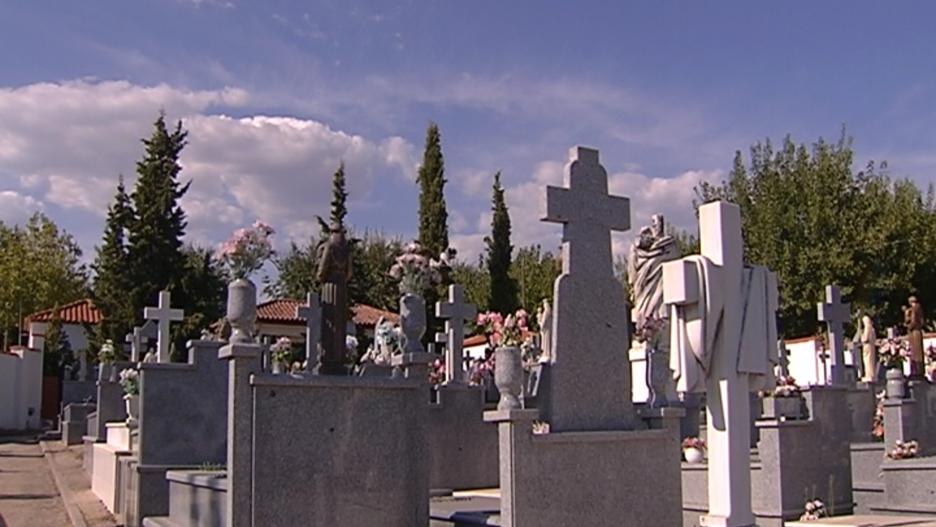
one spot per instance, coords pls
(834, 313)
(590, 385)
(312, 313)
(455, 312)
(728, 400)
(163, 314)
(135, 339)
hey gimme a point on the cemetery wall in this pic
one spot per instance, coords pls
(20, 388)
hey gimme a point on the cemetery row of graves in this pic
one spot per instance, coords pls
(699, 415)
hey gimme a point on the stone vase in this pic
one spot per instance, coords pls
(508, 377)
(412, 322)
(133, 409)
(896, 384)
(277, 367)
(693, 455)
(242, 309)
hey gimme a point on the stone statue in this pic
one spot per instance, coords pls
(385, 343)
(868, 349)
(645, 275)
(545, 320)
(334, 272)
(913, 319)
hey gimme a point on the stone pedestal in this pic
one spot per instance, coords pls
(105, 478)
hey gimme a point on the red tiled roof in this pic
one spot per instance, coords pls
(475, 340)
(283, 311)
(78, 312)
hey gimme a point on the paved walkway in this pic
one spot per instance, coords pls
(868, 521)
(28, 496)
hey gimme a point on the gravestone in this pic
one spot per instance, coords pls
(724, 333)
(312, 313)
(137, 344)
(455, 312)
(834, 313)
(590, 382)
(163, 314)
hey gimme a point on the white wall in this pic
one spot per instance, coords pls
(77, 336)
(20, 389)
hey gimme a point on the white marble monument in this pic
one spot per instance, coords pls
(724, 343)
(163, 314)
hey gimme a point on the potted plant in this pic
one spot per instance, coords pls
(416, 274)
(892, 355)
(130, 381)
(814, 510)
(280, 355)
(693, 449)
(784, 401)
(506, 335)
(243, 253)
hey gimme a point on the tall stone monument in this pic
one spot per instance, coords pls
(333, 273)
(723, 343)
(835, 313)
(590, 381)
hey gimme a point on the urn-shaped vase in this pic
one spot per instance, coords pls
(242, 309)
(508, 377)
(693, 455)
(412, 322)
(133, 409)
(895, 388)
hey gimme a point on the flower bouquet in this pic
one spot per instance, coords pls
(893, 353)
(130, 381)
(281, 352)
(107, 354)
(814, 510)
(693, 449)
(246, 250)
(904, 450)
(416, 272)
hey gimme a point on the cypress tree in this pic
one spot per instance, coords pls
(154, 251)
(339, 197)
(503, 292)
(433, 217)
(111, 268)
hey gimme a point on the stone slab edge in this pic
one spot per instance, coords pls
(71, 509)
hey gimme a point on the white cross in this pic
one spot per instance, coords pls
(834, 313)
(587, 213)
(135, 339)
(728, 400)
(312, 313)
(455, 312)
(163, 315)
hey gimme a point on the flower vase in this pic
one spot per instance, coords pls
(693, 455)
(508, 377)
(277, 367)
(133, 409)
(242, 309)
(895, 388)
(412, 322)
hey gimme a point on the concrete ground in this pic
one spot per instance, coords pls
(868, 521)
(28, 496)
(42, 484)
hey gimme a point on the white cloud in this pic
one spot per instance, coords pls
(65, 144)
(16, 208)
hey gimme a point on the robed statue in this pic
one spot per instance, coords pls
(913, 319)
(334, 272)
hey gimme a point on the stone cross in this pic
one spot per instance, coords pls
(135, 339)
(590, 384)
(163, 314)
(694, 282)
(834, 313)
(312, 313)
(455, 312)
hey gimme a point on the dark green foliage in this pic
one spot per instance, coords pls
(58, 352)
(339, 197)
(202, 292)
(477, 283)
(155, 255)
(433, 216)
(811, 219)
(503, 293)
(111, 267)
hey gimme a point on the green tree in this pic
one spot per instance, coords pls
(39, 269)
(57, 353)
(534, 272)
(503, 292)
(111, 267)
(807, 216)
(477, 282)
(433, 216)
(202, 291)
(339, 200)
(155, 255)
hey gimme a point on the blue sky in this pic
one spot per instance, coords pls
(275, 93)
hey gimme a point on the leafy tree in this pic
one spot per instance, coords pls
(339, 208)
(112, 278)
(433, 217)
(503, 291)
(811, 219)
(534, 272)
(202, 290)
(155, 255)
(39, 268)
(476, 280)
(58, 352)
